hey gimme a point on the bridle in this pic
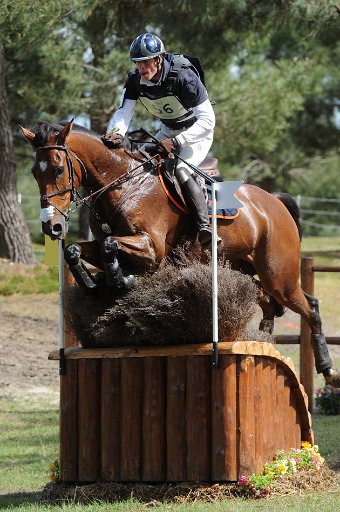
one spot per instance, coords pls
(71, 188)
(75, 196)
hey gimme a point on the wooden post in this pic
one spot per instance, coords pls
(306, 350)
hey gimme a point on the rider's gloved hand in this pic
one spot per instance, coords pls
(112, 139)
(170, 145)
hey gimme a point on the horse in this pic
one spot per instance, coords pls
(136, 226)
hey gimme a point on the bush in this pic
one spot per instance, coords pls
(328, 400)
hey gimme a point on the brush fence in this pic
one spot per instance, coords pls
(164, 414)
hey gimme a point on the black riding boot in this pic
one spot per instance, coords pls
(197, 205)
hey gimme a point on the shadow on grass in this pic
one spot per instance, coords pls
(15, 499)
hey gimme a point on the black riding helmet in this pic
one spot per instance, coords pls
(146, 46)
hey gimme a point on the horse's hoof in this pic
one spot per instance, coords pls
(333, 378)
(130, 282)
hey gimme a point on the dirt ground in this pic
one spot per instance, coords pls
(28, 333)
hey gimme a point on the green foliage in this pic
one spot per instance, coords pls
(328, 400)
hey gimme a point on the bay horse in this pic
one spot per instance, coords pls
(136, 226)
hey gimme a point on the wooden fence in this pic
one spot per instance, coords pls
(304, 339)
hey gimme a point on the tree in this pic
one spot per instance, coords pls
(27, 43)
(14, 236)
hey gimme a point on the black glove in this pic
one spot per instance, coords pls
(112, 140)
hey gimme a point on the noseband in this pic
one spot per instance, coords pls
(71, 188)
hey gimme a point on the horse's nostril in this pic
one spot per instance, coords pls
(57, 228)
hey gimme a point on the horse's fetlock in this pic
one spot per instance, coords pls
(72, 254)
(109, 249)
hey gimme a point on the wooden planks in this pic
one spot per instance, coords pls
(174, 418)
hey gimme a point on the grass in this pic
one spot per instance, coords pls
(29, 434)
(27, 281)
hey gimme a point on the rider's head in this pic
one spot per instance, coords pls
(147, 52)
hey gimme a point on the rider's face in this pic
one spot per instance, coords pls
(149, 69)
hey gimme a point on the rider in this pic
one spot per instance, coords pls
(186, 115)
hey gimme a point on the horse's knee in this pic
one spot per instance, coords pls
(72, 254)
(109, 249)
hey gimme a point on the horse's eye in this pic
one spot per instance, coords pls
(59, 171)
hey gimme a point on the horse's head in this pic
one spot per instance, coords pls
(55, 174)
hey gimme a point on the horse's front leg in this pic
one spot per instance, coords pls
(115, 277)
(72, 254)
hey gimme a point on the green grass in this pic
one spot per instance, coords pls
(29, 443)
(40, 279)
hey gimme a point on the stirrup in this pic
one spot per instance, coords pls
(205, 236)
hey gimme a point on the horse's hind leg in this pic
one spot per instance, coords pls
(308, 307)
(323, 361)
(270, 309)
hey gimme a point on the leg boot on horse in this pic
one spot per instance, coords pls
(80, 273)
(323, 363)
(114, 274)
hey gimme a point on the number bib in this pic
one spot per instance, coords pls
(168, 107)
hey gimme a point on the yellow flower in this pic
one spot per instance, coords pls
(282, 469)
(305, 444)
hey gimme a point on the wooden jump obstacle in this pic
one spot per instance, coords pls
(163, 414)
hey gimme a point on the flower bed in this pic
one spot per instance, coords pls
(307, 458)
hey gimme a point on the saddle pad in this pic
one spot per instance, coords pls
(170, 190)
(223, 213)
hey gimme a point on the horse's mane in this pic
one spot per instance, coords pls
(44, 129)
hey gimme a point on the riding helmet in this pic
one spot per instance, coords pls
(146, 46)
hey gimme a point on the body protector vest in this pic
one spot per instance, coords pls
(172, 100)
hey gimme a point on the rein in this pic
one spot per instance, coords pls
(115, 183)
(75, 196)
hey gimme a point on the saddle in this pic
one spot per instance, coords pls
(209, 166)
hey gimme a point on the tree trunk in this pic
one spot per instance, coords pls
(15, 241)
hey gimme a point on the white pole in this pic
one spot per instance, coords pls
(61, 308)
(214, 278)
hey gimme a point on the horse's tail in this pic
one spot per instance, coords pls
(292, 207)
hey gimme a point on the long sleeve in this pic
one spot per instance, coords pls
(122, 117)
(205, 123)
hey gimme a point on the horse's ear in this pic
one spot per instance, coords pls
(64, 132)
(29, 136)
